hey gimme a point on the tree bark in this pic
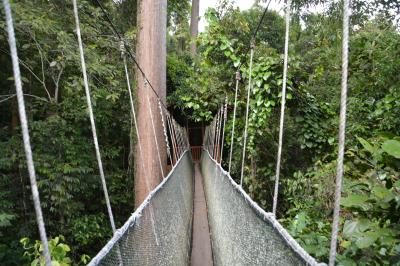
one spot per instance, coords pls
(194, 26)
(151, 55)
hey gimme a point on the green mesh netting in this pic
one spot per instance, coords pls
(159, 232)
(241, 232)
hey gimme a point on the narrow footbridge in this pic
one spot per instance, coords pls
(240, 232)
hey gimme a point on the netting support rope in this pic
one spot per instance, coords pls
(247, 113)
(91, 117)
(122, 47)
(165, 131)
(217, 135)
(25, 132)
(223, 127)
(153, 126)
(217, 149)
(283, 102)
(173, 138)
(234, 120)
(342, 132)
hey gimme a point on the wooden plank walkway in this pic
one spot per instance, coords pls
(201, 243)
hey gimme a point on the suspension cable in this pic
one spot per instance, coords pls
(283, 102)
(138, 139)
(133, 57)
(154, 129)
(25, 132)
(134, 113)
(342, 131)
(91, 117)
(254, 35)
(234, 120)
(247, 113)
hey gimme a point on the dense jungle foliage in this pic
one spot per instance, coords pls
(68, 180)
(370, 230)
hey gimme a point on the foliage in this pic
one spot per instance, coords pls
(370, 205)
(58, 250)
(369, 221)
(61, 139)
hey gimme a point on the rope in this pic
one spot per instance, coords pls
(234, 120)
(247, 113)
(283, 102)
(133, 57)
(25, 132)
(154, 129)
(139, 141)
(91, 116)
(246, 52)
(223, 127)
(173, 137)
(165, 131)
(134, 114)
(216, 136)
(342, 131)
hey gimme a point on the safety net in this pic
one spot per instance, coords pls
(241, 232)
(159, 231)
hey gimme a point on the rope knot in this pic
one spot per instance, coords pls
(238, 75)
(122, 47)
(252, 43)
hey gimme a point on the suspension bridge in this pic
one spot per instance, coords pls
(198, 214)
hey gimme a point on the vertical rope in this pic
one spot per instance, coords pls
(223, 127)
(153, 126)
(139, 143)
(165, 131)
(234, 120)
(342, 131)
(217, 136)
(134, 117)
(25, 132)
(91, 116)
(172, 140)
(283, 102)
(247, 113)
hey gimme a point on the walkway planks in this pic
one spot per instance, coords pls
(201, 243)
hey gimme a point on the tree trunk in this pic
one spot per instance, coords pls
(151, 55)
(194, 26)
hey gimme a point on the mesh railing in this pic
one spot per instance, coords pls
(159, 232)
(241, 232)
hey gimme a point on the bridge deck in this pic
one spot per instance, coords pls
(201, 243)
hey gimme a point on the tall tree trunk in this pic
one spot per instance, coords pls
(194, 26)
(151, 55)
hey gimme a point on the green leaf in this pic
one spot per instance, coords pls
(367, 240)
(366, 145)
(349, 228)
(355, 201)
(392, 147)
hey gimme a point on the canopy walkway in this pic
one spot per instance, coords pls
(159, 232)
